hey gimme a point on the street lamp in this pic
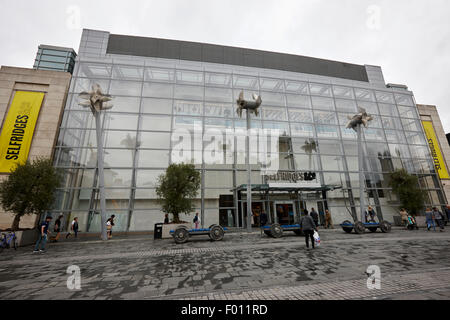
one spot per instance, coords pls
(97, 101)
(355, 123)
(250, 106)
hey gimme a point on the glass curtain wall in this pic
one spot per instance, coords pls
(154, 98)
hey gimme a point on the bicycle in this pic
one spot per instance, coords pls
(8, 240)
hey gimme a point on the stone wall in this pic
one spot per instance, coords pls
(55, 85)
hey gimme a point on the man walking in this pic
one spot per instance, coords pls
(43, 233)
(429, 216)
(438, 216)
(74, 228)
(314, 216)
(57, 228)
(308, 226)
(328, 220)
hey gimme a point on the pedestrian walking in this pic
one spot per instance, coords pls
(109, 226)
(74, 228)
(196, 221)
(429, 217)
(404, 214)
(314, 216)
(328, 220)
(57, 228)
(308, 227)
(263, 218)
(439, 218)
(447, 212)
(43, 234)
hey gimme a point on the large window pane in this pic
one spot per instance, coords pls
(330, 147)
(325, 117)
(395, 136)
(153, 159)
(155, 123)
(348, 106)
(120, 121)
(272, 84)
(274, 113)
(219, 110)
(126, 104)
(391, 123)
(405, 100)
(127, 73)
(408, 112)
(364, 94)
(83, 84)
(189, 92)
(343, 92)
(323, 103)
(118, 178)
(300, 116)
(320, 89)
(388, 110)
(302, 130)
(118, 158)
(94, 70)
(159, 75)
(327, 131)
(159, 106)
(120, 139)
(297, 87)
(147, 178)
(411, 125)
(245, 82)
(372, 134)
(371, 108)
(157, 140)
(158, 90)
(384, 97)
(416, 138)
(190, 108)
(218, 94)
(189, 77)
(126, 88)
(218, 79)
(298, 101)
(275, 99)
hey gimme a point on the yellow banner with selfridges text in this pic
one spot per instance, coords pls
(436, 153)
(18, 129)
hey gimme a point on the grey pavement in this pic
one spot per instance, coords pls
(413, 264)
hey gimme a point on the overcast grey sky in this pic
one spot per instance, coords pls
(409, 39)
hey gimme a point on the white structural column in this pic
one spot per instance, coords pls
(101, 175)
(361, 173)
(249, 176)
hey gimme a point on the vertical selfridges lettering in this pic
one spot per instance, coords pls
(18, 129)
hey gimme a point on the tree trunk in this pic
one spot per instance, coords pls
(176, 218)
(16, 222)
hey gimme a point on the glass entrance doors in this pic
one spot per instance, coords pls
(284, 212)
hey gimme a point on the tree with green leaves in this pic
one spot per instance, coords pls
(29, 189)
(406, 187)
(177, 189)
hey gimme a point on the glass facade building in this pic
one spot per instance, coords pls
(55, 58)
(162, 86)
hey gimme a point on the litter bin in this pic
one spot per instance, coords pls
(158, 230)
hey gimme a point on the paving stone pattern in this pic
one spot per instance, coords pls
(243, 266)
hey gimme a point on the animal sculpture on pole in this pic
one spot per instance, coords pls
(251, 106)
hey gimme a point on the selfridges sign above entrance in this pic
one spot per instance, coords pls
(291, 176)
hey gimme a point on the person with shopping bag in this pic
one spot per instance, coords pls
(308, 226)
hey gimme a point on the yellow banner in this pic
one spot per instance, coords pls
(18, 129)
(436, 153)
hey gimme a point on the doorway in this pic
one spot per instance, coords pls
(284, 212)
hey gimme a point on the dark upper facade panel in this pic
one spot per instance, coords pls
(193, 51)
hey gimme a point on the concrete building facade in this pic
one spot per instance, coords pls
(55, 86)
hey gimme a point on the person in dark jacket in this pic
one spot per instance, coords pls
(308, 226)
(439, 218)
(315, 216)
(263, 218)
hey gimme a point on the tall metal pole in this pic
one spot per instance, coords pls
(361, 173)
(101, 176)
(249, 177)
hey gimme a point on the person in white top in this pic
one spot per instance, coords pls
(109, 225)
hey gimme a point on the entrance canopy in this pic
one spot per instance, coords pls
(287, 187)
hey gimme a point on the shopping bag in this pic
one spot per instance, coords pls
(316, 238)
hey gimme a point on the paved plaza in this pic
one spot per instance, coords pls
(413, 265)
